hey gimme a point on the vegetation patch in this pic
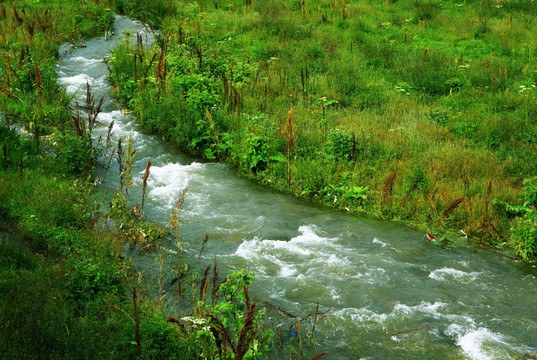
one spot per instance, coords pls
(439, 94)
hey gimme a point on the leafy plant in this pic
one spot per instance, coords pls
(341, 145)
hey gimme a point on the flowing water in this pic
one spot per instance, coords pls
(380, 278)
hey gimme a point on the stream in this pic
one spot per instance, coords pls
(394, 294)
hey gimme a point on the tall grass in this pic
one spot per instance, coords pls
(374, 90)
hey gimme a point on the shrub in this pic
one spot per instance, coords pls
(341, 145)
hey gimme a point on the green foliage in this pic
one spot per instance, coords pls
(231, 313)
(75, 154)
(36, 318)
(524, 235)
(433, 73)
(530, 192)
(152, 12)
(360, 84)
(162, 340)
(92, 280)
(426, 9)
(252, 146)
(341, 145)
(419, 179)
(523, 228)
(15, 259)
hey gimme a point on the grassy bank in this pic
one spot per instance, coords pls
(415, 111)
(66, 292)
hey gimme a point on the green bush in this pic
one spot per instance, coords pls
(524, 228)
(341, 145)
(75, 154)
(93, 279)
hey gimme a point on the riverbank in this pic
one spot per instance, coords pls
(62, 277)
(386, 110)
(67, 290)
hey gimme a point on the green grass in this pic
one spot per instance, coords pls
(446, 90)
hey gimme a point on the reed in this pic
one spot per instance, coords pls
(288, 133)
(213, 126)
(203, 244)
(220, 334)
(455, 204)
(108, 143)
(280, 343)
(144, 182)
(407, 194)
(179, 295)
(247, 333)
(161, 294)
(204, 283)
(319, 355)
(484, 221)
(136, 322)
(129, 166)
(20, 167)
(215, 287)
(387, 190)
(176, 213)
(92, 111)
(119, 153)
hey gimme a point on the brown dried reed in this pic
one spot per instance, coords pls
(204, 284)
(213, 126)
(136, 322)
(247, 333)
(203, 244)
(453, 206)
(319, 355)
(144, 182)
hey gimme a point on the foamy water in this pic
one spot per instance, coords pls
(445, 274)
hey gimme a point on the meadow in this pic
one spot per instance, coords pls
(421, 112)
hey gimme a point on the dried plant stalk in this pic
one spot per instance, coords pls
(213, 126)
(204, 283)
(214, 290)
(319, 355)
(247, 333)
(203, 244)
(453, 206)
(388, 186)
(485, 215)
(144, 182)
(136, 322)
